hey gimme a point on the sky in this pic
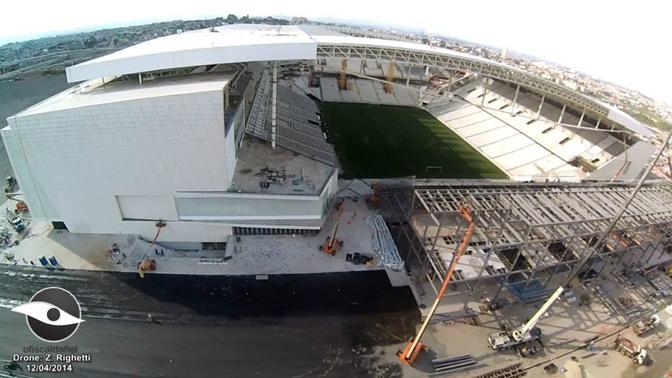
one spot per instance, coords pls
(625, 42)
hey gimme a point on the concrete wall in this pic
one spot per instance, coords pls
(75, 164)
(273, 210)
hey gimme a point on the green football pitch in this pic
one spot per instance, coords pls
(378, 141)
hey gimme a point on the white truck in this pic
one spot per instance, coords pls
(635, 352)
(643, 326)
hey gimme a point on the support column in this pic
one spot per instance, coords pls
(506, 278)
(562, 114)
(485, 92)
(140, 78)
(274, 103)
(513, 266)
(494, 244)
(561, 262)
(450, 82)
(541, 104)
(436, 237)
(597, 124)
(583, 114)
(515, 98)
(408, 75)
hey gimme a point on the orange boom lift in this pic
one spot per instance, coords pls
(414, 347)
(331, 245)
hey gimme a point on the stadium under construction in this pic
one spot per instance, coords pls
(222, 145)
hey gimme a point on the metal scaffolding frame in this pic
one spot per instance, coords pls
(534, 230)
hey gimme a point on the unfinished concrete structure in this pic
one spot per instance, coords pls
(528, 234)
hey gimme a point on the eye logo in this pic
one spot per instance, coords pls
(53, 314)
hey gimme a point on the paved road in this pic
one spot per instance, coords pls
(321, 325)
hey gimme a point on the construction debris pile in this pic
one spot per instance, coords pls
(383, 244)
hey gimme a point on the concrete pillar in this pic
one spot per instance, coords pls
(485, 93)
(450, 82)
(408, 75)
(140, 78)
(274, 103)
(515, 98)
(583, 114)
(562, 113)
(227, 92)
(597, 124)
(541, 104)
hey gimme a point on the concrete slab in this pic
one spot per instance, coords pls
(292, 173)
(244, 255)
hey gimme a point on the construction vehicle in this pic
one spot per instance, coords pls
(146, 264)
(21, 207)
(645, 325)
(412, 350)
(525, 333)
(15, 221)
(629, 349)
(519, 336)
(10, 184)
(332, 244)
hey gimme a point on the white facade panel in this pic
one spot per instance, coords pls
(249, 207)
(141, 207)
(21, 168)
(80, 160)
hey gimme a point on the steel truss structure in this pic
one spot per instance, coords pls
(463, 64)
(527, 233)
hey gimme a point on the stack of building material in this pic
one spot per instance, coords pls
(383, 244)
(256, 123)
(450, 364)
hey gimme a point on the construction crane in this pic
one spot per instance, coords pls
(528, 331)
(331, 245)
(525, 333)
(342, 78)
(414, 347)
(391, 70)
(147, 264)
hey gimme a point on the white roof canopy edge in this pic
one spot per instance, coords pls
(254, 43)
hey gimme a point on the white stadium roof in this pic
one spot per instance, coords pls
(227, 44)
(253, 43)
(235, 44)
